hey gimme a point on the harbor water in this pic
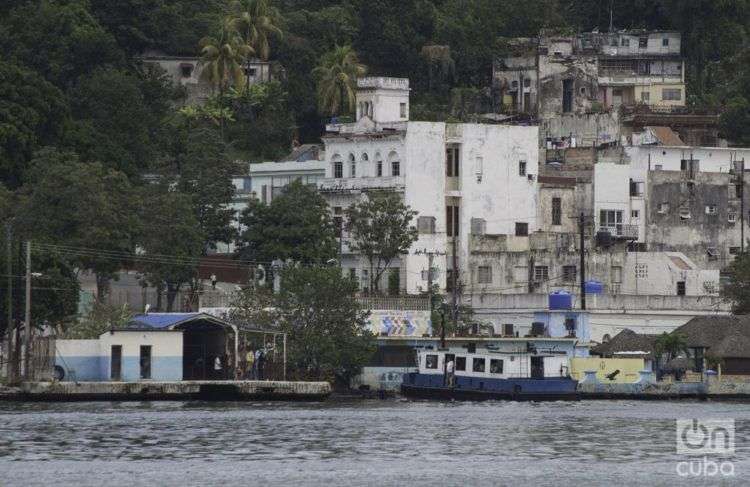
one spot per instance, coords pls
(361, 442)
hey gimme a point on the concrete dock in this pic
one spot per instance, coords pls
(166, 391)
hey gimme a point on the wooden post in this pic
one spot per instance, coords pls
(27, 327)
(284, 356)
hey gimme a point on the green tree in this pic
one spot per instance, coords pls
(327, 333)
(671, 344)
(32, 114)
(81, 206)
(256, 21)
(99, 319)
(296, 225)
(171, 243)
(223, 56)
(336, 77)
(381, 229)
(737, 289)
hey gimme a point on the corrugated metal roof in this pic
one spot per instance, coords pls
(161, 320)
(666, 135)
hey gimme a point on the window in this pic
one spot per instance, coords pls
(478, 226)
(186, 70)
(658, 167)
(478, 364)
(514, 85)
(673, 94)
(569, 273)
(734, 250)
(451, 221)
(460, 364)
(625, 42)
(522, 229)
(338, 169)
(508, 330)
(522, 168)
(379, 168)
(663, 208)
(251, 72)
(713, 253)
(635, 214)
(353, 274)
(637, 188)
(426, 224)
(643, 42)
(402, 110)
(732, 218)
(641, 271)
(365, 280)
(484, 274)
(352, 166)
(431, 361)
(680, 288)
(665, 42)
(145, 361)
(556, 211)
(526, 82)
(338, 221)
(567, 101)
(395, 168)
(611, 220)
(541, 273)
(616, 274)
(115, 370)
(711, 209)
(496, 366)
(452, 161)
(645, 96)
(685, 214)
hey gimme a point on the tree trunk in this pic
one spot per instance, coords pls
(159, 291)
(102, 288)
(172, 290)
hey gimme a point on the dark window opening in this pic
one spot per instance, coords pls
(460, 363)
(522, 229)
(569, 273)
(496, 366)
(680, 288)
(145, 361)
(556, 211)
(567, 96)
(116, 365)
(452, 161)
(478, 365)
(451, 221)
(522, 168)
(431, 362)
(508, 330)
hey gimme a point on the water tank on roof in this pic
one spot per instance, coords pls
(593, 287)
(560, 300)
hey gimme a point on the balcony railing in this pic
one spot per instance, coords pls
(621, 231)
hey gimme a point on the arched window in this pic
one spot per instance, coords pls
(352, 166)
(364, 171)
(395, 163)
(337, 166)
(378, 165)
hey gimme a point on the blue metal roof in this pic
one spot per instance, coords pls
(161, 320)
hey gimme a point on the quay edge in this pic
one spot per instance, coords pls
(166, 391)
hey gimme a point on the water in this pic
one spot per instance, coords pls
(356, 443)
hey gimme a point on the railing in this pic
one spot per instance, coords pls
(394, 302)
(621, 230)
(631, 302)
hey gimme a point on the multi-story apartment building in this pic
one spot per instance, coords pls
(460, 178)
(556, 74)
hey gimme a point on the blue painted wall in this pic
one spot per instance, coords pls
(80, 368)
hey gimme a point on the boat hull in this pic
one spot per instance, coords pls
(471, 389)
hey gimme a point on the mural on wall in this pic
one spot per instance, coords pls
(400, 323)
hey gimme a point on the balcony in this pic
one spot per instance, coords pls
(348, 185)
(620, 231)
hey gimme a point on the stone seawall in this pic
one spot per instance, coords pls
(183, 390)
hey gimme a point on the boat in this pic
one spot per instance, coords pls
(521, 376)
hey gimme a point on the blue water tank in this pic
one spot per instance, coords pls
(593, 287)
(560, 300)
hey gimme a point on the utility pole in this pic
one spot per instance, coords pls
(430, 258)
(27, 319)
(583, 261)
(454, 287)
(9, 373)
(742, 206)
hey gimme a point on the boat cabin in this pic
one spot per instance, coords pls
(495, 364)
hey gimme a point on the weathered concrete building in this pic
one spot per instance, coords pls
(460, 178)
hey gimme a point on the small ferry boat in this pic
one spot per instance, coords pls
(519, 376)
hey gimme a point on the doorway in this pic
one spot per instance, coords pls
(145, 361)
(203, 343)
(537, 367)
(115, 372)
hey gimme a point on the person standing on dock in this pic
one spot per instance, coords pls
(217, 367)
(250, 359)
(449, 371)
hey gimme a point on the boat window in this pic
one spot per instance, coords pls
(496, 366)
(478, 365)
(460, 363)
(431, 362)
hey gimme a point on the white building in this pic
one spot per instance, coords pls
(460, 178)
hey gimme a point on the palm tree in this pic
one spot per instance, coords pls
(670, 343)
(255, 21)
(222, 58)
(336, 76)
